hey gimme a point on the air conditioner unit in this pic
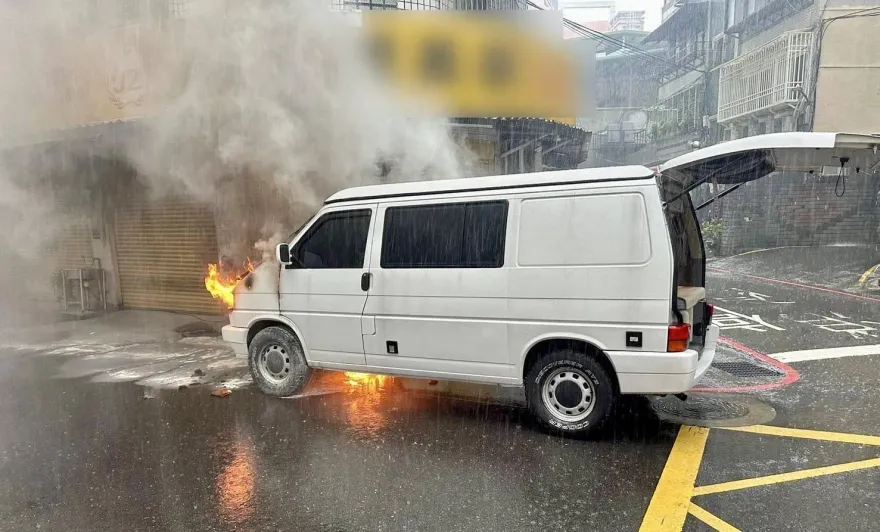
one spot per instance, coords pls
(83, 289)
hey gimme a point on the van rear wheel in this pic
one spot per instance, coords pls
(277, 362)
(569, 391)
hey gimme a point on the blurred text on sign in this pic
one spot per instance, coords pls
(477, 64)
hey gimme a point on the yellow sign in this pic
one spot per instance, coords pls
(476, 64)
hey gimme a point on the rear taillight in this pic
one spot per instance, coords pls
(678, 337)
(710, 311)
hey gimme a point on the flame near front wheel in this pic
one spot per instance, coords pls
(222, 285)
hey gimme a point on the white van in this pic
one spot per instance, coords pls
(579, 285)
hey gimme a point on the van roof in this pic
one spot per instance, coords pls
(502, 182)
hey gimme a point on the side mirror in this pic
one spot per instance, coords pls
(282, 253)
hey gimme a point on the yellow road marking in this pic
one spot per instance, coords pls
(867, 273)
(786, 477)
(754, 251)
(669, 505)
(842, 437)
(711, 519)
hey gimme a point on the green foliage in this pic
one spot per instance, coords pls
(712, 231)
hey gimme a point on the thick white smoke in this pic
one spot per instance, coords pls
(267, 108)
(279, 110)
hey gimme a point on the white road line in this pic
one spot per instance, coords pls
(821, 354)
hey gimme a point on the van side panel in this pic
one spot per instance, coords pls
(587, 262)
(445, 322)
(593, 264)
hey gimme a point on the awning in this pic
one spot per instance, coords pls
(690, 14)
(79, 132)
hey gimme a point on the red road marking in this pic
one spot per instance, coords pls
(791, 375)
(799, 285)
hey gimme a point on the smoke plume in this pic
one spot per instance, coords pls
(258, 109)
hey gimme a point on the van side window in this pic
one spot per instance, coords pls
(454, 235)
(338, 240)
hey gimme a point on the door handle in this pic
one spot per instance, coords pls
(365, 281)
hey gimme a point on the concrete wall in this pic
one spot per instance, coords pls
(798, 210)
(848, 83)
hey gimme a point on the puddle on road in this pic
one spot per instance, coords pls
(713, 410)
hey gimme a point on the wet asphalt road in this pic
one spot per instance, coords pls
(82, 455)
(773, 315)
(77, 455)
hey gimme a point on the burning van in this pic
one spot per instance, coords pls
(579, 285)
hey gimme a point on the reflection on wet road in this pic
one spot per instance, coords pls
(235, 483)
(76, 454)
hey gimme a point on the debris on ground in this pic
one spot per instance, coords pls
(221, 392)
(198, 373)
(182, 387)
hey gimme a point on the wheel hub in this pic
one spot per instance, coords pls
(274, 363)
(568, 394)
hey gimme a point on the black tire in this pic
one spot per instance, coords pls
(277, 362)
(574, 367)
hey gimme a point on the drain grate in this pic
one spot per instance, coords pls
(745, 369)
(701, 408)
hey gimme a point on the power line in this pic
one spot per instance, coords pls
(623, 44)
(625, 47)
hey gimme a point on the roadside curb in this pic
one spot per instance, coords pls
(790, 375)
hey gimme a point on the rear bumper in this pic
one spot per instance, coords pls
(236, 337)
(663, 373)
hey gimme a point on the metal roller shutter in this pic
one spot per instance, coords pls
(72, 246)
(162, 249)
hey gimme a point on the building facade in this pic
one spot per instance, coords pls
(802, 65)
(737, 68)
(626, 86)
(628, 21)
(683, 116)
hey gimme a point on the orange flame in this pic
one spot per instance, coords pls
(366, 380)
(222, 285)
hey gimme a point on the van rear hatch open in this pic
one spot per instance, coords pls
(734, 163)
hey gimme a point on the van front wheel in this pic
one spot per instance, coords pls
(277, 362)
(569, 391)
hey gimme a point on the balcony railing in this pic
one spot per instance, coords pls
(619, 138)
(772, 76)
